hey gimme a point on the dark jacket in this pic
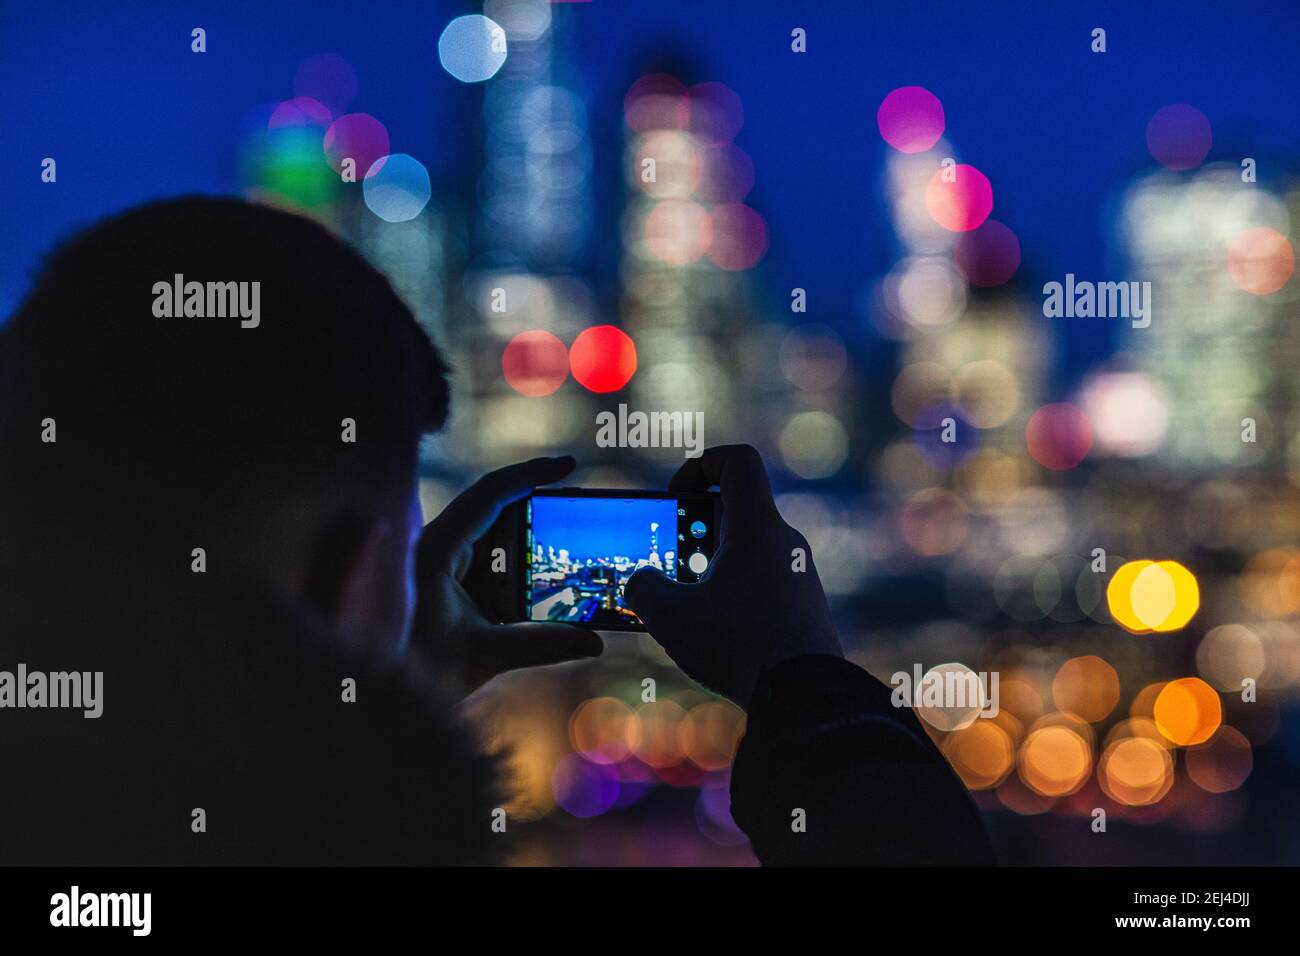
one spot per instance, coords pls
(219, 697)
(824, 739)
(216, 696)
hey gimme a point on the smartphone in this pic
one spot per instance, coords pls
(565, 554)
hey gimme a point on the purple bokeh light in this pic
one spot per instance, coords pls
(911, 119)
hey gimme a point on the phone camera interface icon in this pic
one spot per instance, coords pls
(698, 529)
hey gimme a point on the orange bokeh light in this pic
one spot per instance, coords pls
(1055, 761)
(1261, 260)
(1187, 711)
(1086, 686)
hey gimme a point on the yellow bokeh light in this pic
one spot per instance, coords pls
(1146, 596)
(1187, 711)
(1119, 596)
(1187, 597)
(1153, 596)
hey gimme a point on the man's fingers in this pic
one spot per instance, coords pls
(472, 512)
(738, 472)
(507, 647)
(655, 598)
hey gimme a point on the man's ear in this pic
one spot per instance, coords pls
(346, 568)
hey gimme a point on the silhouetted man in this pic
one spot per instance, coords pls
(209, 427)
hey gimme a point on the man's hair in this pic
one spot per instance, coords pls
(200, 418)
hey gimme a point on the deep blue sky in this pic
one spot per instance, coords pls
(114, 93)
(604, 527)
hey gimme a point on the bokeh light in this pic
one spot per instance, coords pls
(1129, 412)
(711, 733)
(659, 744)
(1179, 136)
(1221, 764)
(535, 363)
(678, 232)
(716, 114)
(1187, 711)
(300, 111)
(1270, 583)
(944, 435)
(987, 391)
(1135, 771)
(657, 101)
(1261, 260)
(910, 119)
(982, 753)
(1055, 761)
(959, 198)
(472, 48)
(359, 137)
(396, 187)
(583, 788)
(989, 255)
(602, 358)
(604, 730)
(1186, 596)
(812, 357)
(1058, 436)
(1145, 596)
(950, 697)
(813, 444)
(738, 237)
(1087, 686)
(1230, 654)
(727, 174)
(934, 521)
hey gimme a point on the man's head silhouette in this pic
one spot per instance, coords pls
(172, 433)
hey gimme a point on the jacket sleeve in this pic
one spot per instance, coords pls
(823, 738)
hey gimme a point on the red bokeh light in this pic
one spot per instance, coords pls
(535, 363)
(603, 358)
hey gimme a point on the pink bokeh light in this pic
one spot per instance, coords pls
(962, 204)
(299, 111)
(657, 101)
(358, 136)
(739, 237)
(1059, 436)
(535, 363)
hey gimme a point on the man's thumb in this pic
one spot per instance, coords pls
(654, 597)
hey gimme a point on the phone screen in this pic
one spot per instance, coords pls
(581, 550)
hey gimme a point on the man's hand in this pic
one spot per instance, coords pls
(466, 648)
(752, 608)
